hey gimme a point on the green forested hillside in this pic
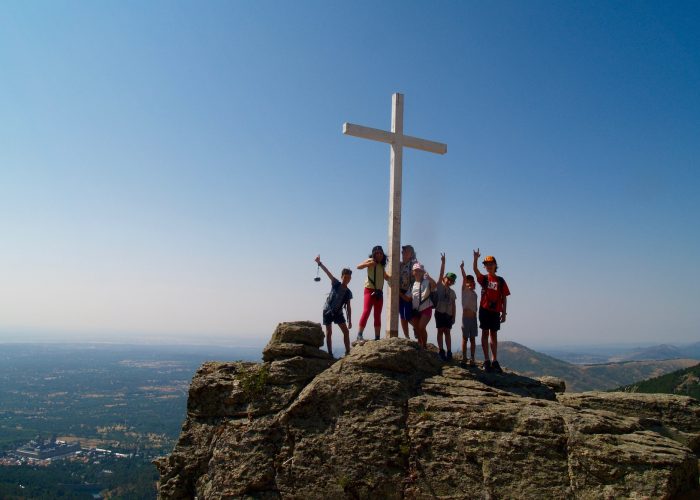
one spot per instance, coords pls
(684, 382)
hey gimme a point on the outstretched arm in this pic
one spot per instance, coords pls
(505, 307)
(477, 273)
(464, 274)
(349, 315)
(366, 263)
(325, 269)
(442, 267)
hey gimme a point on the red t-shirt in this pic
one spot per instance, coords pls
(494, 289)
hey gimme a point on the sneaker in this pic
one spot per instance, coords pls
(442, 355)
(449, 355)
(376, 338)
(487, 365)
(360, 338)
(495, 366)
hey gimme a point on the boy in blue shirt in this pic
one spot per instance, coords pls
(338, 299)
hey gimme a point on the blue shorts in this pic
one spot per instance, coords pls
(330, 317)
(405, 309)
(470, 329)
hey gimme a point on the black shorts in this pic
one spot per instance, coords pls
(489, 320)
(330, 317)
(443, 320)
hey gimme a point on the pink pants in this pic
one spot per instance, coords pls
(371, 302)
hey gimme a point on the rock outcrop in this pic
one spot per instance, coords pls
(391, 421)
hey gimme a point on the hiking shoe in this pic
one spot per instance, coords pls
(495, 366)
(376, 338)
(449, 355)
(360, 338)
(442, 355)
(487, 365)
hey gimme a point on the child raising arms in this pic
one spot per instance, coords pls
(492, 309)
(338, 299)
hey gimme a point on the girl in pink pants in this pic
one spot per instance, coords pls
(373, 294)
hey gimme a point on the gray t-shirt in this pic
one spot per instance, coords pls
(445, 298)
(470, 299)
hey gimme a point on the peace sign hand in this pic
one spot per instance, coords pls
(442, 257)
(477, 253)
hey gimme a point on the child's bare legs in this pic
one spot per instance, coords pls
(346, 337)
(494, 344)
(329, 341)
(420, 323)
(440, 334)
(472, 347)
(423, 324)
(464, 348)
(404, 327)
(448, 340)
(485, 344)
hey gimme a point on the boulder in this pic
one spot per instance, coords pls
(677, 417)
(391, 421)
(557, 384)
(299, 332)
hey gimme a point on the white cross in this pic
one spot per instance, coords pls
(398, 140)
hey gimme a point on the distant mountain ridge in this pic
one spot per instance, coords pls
(599, 355)
(685, 382)
(603, 376)
(657, 352)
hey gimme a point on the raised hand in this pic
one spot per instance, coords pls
(442, 257)
(477, 253)
(318, 259)
(461, 266)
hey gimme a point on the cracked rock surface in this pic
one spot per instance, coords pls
(392, 421)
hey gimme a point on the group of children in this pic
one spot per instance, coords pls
(419, 296)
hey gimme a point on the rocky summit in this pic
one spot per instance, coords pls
(391, 421)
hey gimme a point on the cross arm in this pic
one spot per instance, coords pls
(376, 134)
(424, 145)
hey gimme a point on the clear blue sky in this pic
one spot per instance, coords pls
(170, 169)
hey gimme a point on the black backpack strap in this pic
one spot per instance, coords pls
(420, 291)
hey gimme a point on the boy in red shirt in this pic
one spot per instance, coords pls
(492, 309)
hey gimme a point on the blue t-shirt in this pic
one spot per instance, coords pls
(339, 296)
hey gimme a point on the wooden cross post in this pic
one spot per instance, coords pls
(397, 140)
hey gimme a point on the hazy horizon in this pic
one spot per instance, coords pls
(252, 344)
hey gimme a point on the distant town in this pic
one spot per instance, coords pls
(43, 452)
(83, 421)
